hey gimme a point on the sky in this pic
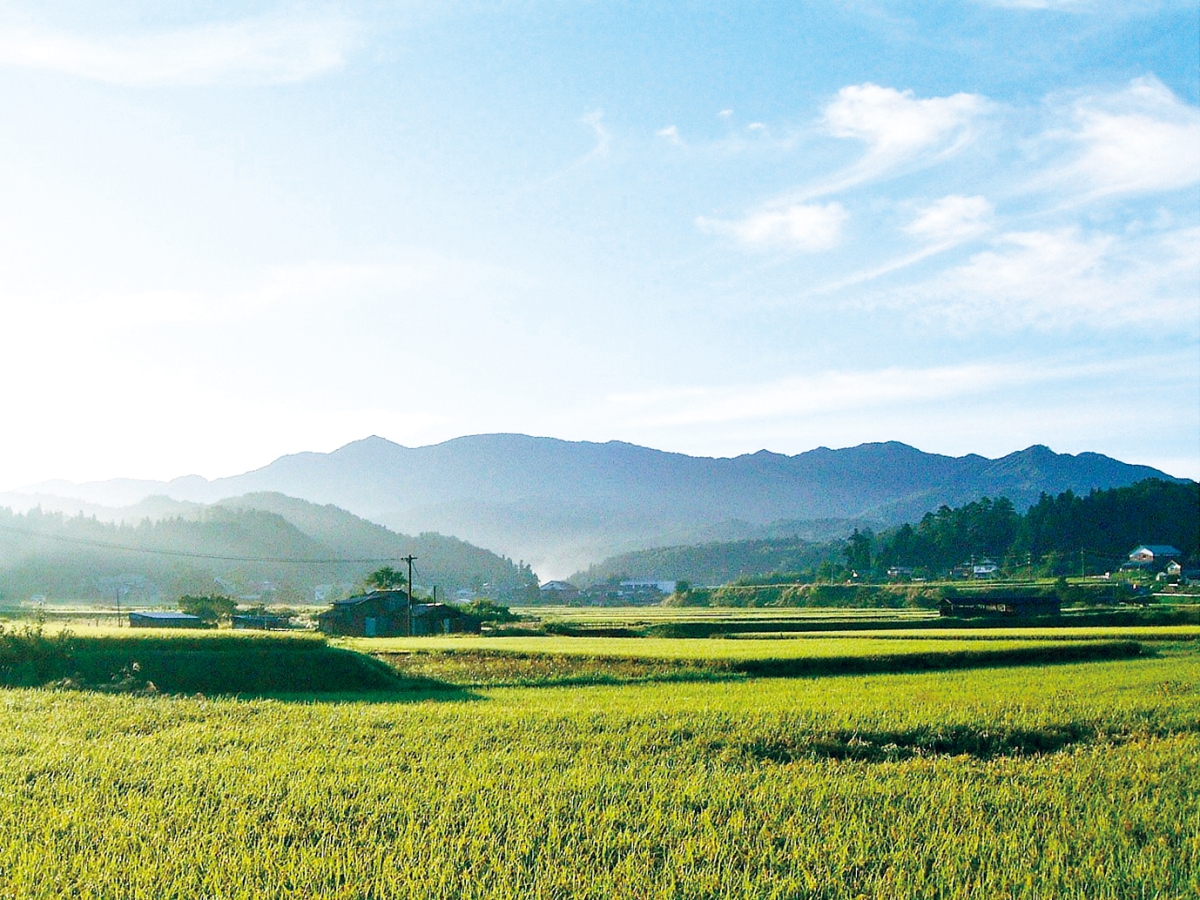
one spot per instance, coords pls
(234, 231)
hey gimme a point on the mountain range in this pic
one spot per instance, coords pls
(561, 505)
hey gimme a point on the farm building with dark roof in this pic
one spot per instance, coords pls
(166, 619)
(387, 614)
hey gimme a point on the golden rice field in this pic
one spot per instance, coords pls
(1071, 780)
(768, 646)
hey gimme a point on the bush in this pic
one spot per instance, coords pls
(209, 607)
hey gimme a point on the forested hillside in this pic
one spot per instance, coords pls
(1095, 531)
(1058, 535)
(713, 563)
(268, 546)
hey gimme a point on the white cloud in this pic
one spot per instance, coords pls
(1100, 7)
(810, 228)
(1139, 140)
(855, 391)
(900, 131)
(263, 50)
(893, 122)
(670, 133)
(595, 121)
(941, 226)
(952, 219)
(1061, 5)
(1061, 280)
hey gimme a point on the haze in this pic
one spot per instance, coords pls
(234, 231)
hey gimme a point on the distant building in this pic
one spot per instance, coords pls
(170, 619)
(377, 614)
(1153, 554)
(387, 614)
(992, 603)
(642, 585)
(441, 618)
(558, 592)
(263, 622)
(985, 568)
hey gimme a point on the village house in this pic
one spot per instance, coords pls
(558, 592)
(1148, 555)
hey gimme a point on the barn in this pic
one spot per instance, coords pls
(1001, 604)
(441, 618)
(166, 619)
(377, 614)
(386, 614)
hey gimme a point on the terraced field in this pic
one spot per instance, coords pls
(1032, 781)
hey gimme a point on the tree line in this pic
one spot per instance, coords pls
(1058, 535)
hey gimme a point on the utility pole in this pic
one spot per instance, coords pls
(409, 559)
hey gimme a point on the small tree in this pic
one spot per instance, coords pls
(385, 579)
(488, 611)
(209, 607)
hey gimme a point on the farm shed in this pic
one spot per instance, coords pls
(377, 614)
(386, 614)
(441, 618)
(1001, 604)
(170, 619)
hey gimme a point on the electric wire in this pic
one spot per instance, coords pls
(191, 555)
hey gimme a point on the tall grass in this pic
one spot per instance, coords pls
(1076, 781)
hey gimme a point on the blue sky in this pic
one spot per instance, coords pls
(229, 232)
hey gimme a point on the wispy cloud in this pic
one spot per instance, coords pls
(810, 228)
(1061, 280)
(1097, 7)
(1058, 5)
(941, 226)
(1142, 139)
(271, 50)
(952, 219)
(898, 129)
(839, 391)
(595, 121)
(670, 133)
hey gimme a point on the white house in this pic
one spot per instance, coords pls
(1149, 554)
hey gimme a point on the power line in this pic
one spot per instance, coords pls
(184, 553)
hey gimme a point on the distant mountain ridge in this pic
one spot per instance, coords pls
(562, 505)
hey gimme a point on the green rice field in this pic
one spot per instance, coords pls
(1048, 779)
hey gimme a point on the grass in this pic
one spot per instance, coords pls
(469, 661)
(1078, 781)
(712, 649)
(188, 661)
(556, 767)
